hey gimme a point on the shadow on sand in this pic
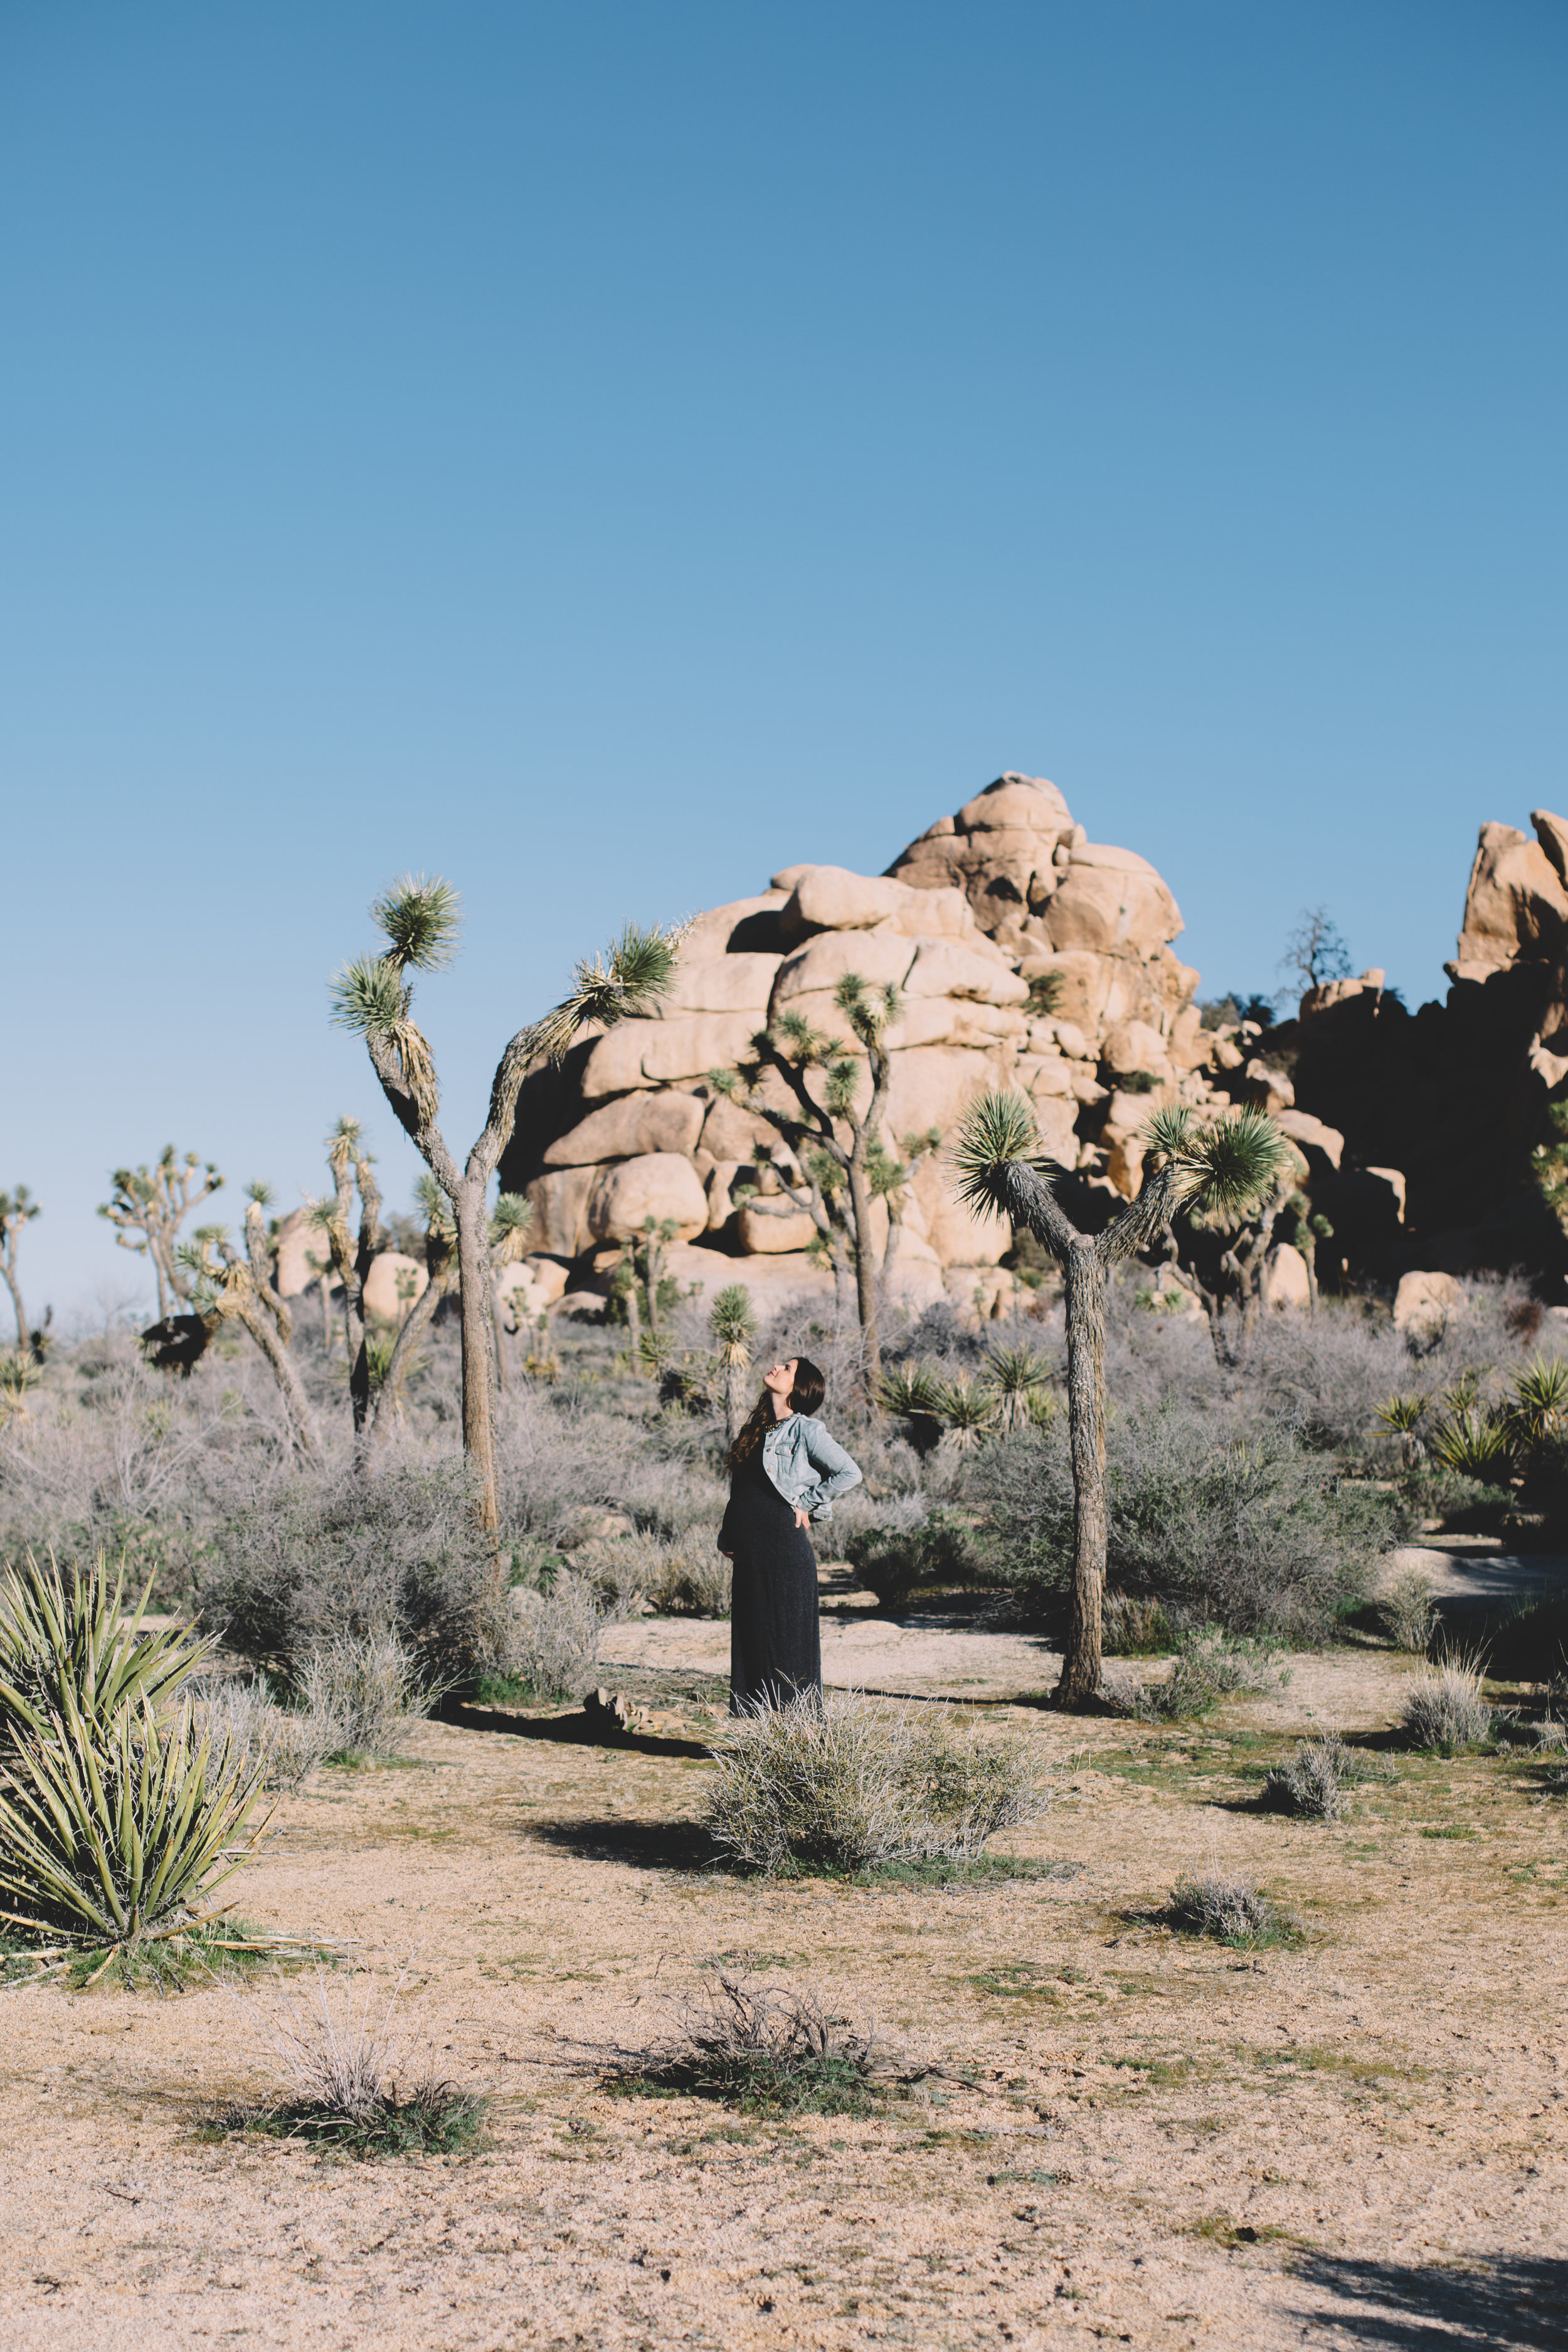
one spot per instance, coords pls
(1494, 2307)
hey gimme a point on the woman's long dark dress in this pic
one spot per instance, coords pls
(775, 1646)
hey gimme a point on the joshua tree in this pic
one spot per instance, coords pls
(221, 1287)
(16, 1209)
(149, 1207)
(1001, 1169)
(835, 1185)
(351, 1165)
(1221, 1256)
(373, 996)
(890, 1180)
(733, 1323)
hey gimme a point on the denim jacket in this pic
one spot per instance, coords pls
(806, 1465)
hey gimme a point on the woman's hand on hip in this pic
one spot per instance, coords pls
(803, 1519)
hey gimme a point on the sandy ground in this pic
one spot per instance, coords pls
(1150, 2141)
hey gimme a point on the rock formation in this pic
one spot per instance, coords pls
(994, 914)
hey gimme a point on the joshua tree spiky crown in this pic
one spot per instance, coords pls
(1221, 1168)
(733, 1323)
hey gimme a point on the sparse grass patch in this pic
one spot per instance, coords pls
(1406, 1612)
(1210, 1665)
(351, 2083)
(1232, 1910)
(1444, 1708)
(763, 2050)
(1311, 1783)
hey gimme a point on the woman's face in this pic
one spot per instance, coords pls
(781, 1378)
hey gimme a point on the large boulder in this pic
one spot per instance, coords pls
(657, 1184)
(392, 1286)
(1006, 892)
(1424, 1303)
(630, 1127)
(1515, 904)
(299, 1253)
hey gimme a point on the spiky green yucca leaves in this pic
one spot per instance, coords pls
(1015, 1376)
(1402, 1413)
(1539, 1406)
(628, 978)
(912, 1390)
(69, 1645)
(115, 1833)
(511, 1225)
(1473, 1442)
(868, 1009)
(733, 1323)
(420, 916)
(1222, 1168)
(1225, 1168)
(967, 1409)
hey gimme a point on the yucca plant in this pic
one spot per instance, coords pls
(1538, 1407)
(117, 1834)
(967, 1410)
(18, 1373)
(373, 995)
(1474, 1441)
(69, 1648)
(1217, 1170)
(1402, 1416)
(1016, 1377)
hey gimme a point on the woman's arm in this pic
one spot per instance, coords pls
(838, 1473)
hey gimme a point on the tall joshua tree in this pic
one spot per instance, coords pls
(148, 1207)
(839, 1179)
(16, 1209)
(1000, 1168)
(374, 995)
(733, 1323)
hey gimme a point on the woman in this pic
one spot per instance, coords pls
(784, 1472)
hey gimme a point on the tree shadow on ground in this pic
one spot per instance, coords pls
(645, 1845)
(1429, 2308)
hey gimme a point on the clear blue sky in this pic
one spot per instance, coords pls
(605, 452)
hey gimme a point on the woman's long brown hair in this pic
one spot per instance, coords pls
(805, 1396)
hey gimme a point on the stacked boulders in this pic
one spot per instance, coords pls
(1026, 956)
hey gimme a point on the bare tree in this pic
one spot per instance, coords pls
(1314, 952)
(373, 996)
(16, 1209)
(148, 1207)
(835, 1185)
(1001, 1169)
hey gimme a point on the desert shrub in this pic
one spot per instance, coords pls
(1444, 1707)
(853, 1784)
(369, 1686)
(283, 1744)
(550, 1640)
(1135, 1625)
(1312, 1782)
(760, 2049)
(1210, 1665)
(351, 2081)
(1230, 1909)
(396, 1557)
(908, 1545)
(1256, 1534)
(681, 1576)
(1407, 1612)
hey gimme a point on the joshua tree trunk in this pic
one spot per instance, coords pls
(23, 1328)
(865, 1269)
(473, 1284)
(250, 1311)
(1085, 1280)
